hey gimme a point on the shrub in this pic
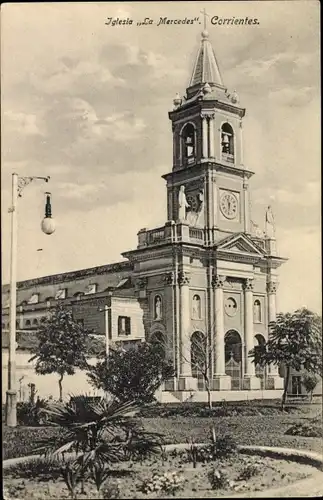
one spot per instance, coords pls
(250, 470)
(218, 479)
(169, 482)
(31, 414)
(43, 468)
(310, 429)
(111, 490)
(21, 441)
(14, 491)
(226, 446)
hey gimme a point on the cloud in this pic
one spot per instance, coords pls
(20, 122)
(87, 104)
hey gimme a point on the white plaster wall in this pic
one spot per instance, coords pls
(132, 309)
(46, 385)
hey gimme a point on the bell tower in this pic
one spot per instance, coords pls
(208, 186)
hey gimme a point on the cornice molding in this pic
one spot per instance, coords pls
(54, 279)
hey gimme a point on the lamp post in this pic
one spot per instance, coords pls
(18, 184)
(107, 324)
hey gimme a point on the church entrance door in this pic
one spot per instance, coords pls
(233, 359)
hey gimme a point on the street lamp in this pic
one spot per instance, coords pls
(18, 184)
(107, 324)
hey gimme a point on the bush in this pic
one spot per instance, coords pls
(31, 414)
(218, 479)
(226, 446)
(169, 482)
(250, 470)
(45, 469)
(21, 441)
(111, 490)
(310, 429)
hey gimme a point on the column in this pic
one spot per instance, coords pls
(211, 136)
(221, 381)
(250, 379)
(241, 143)
(186, 381)
(246, 207)
(274, 380)
(204, 138)
(249, 334)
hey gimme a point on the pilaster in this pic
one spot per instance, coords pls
(274, 380)
(204, 137)
(186, 381)
(211, 136)
(250, 379)
(221, 381)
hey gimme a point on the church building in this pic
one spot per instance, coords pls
(207, 276)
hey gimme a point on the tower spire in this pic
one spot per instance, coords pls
(206, 69)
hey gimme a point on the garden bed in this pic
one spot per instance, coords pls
(145, 479)
(248, 430)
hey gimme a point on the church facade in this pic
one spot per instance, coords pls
(208, 276)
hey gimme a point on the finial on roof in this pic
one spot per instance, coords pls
(177, 101)
(205, 34)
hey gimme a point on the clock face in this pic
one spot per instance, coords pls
(229, 205)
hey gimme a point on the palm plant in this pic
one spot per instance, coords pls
(98, 432)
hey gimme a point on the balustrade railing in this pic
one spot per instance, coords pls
(170, 233)
(196, 234)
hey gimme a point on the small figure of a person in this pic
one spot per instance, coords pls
(182, 204)
(270, 223)
(158, 312)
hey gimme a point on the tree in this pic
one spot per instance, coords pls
(201, 359)
(295, 340)
(309, 381)
(134, 374)
(62, 345)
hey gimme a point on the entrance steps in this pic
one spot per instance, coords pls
(201, 396)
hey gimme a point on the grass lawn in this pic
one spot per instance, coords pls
(248, 430)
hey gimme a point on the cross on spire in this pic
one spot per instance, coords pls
(205, 15)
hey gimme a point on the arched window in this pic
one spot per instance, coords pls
(188, 142)
(196, 307)
(158, 339)
(227, 142)
(35, 322)
(158, 307)
(257, 311)
(28, 323)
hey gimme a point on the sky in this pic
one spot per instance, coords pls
(87, 104)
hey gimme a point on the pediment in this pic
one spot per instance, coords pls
(238, 244)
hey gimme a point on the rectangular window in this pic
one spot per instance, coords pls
(90, 289)
(34, 299)
(124, 325)
(296, 385)
(61, 294)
